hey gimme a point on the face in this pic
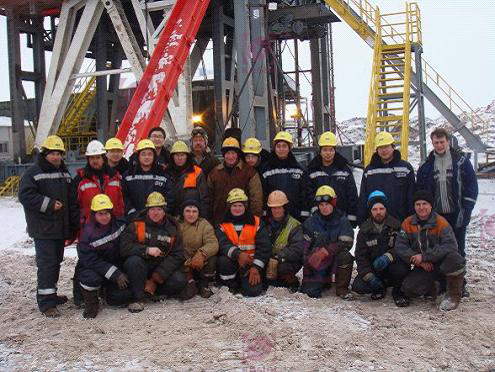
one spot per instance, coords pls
(278, 213)
(386, 152)
(325, 208)
(54, 158)
(231, 158)
(103, 217)
(198, 144)
(191, 214)
(327, 153)
(237, 209)
(423, 209)
(96, 161)
(282, 149)
(180, 159)
(440, 144)
(378, 212)
(156, 214)
(115, 155)
(146, 157)
(252, 159)
(158, 139)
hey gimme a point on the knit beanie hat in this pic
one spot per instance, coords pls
(423, 195)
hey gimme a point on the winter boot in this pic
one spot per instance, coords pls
(344, 275)
(204, 290)
(51, 312)
(61, 300)
(434, 291)
(189, 291)
(399, 297)
(135, 307)
(76, 292)
(91, 303)
(454, 292)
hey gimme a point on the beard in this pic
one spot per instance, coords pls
(379, 219)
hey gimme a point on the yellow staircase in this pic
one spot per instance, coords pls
(10, 187)
(390, 88)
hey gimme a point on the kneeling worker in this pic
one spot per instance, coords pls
(244, 247)
(152, 247)
(99, 257)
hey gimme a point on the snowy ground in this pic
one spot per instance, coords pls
(292, 331)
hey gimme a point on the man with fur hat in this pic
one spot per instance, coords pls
(427, 242)
(377, 263)
(202, 155)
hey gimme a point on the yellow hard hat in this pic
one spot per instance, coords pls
(236, 195)
(327, 139)
(179, 147)
(53, 143)
(383, 139)
(145, 144)
(283, 136)
(252, 146)
(231, 142)
(114, 144)
(155, 199)
(277, 198)
(101, 202)
(325, 193)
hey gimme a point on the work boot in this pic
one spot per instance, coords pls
(135, 307)
(61, 300)
(204, 290)
(399, 297)
(291, 282)
(454, 292)
(433, 292)
(189, 291)
(51, 312)
(379, 295)
(76, 292)
(344, 275)
(91, 303)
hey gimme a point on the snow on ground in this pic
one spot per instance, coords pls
(278, 331)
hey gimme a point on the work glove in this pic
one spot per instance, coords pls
(317, 257)
(122, 281)
(152, 283)
(157, 278)
(198, 261)
(381, 262)
(375, 283)
(272, 270)
(254, 277)
(244, 259)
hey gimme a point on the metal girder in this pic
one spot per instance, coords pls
(316, 82)
(219, 72)
(59, 84)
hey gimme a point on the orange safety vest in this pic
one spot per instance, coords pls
(246, 241)
(192, 177)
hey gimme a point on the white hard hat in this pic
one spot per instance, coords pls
(95, 147)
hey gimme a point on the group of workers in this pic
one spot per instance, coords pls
(173, 223)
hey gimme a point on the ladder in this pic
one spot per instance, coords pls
(153, 93)
(10, 187)
(390, 88)
(362, 17)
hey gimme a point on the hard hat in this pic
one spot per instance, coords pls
(53, 143)
(383, 139)
(283, 136)
(236, 195)
(95, 147)
(101, 202)
(155, 199)
(327, 139)
(114, 144)
(377, 196)
(252, 146)
(230, 142)
(145, 144)
(325, 193)
(277, 198)
(179, 147)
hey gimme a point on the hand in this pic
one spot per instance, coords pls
(154, 252)
(57, 206)
(122, 281)
(317, 257)
(244, 259)
(157, 278)
(374, 282)
(417, 259)
(381, 262)
(426, 266)
(198, 261)
(272, 270)
(254, 276)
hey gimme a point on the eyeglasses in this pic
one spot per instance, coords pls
(157, 136)
(323, 198)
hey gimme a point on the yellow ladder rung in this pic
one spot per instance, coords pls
(386, 101)
(392, 79)
(390, 87)
(392, 58)
(392, 65)
(389, 118)
(393, 46)
(390, 109)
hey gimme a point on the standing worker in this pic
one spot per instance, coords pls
(201, 152)
(52, 216)
(115, 155)
(254, 154)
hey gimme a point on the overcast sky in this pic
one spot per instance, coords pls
(458, 40)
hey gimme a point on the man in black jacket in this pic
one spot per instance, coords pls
(52, 216)
(152, 248)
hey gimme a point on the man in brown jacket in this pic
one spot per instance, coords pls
(200, 251)
(233, 173)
